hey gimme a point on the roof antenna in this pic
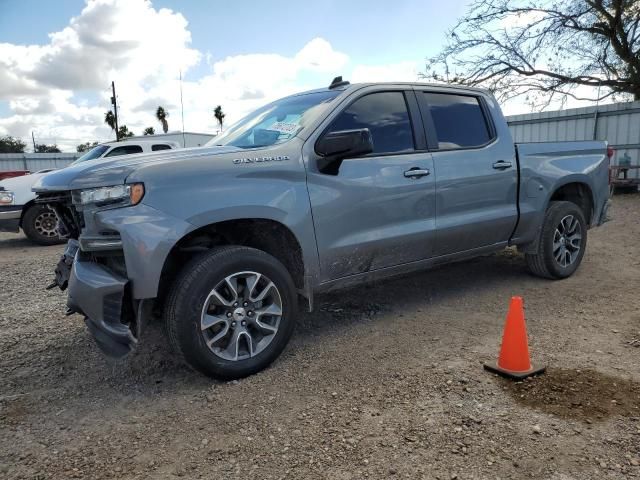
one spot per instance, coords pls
(338, 82)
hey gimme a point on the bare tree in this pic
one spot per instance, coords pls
(545, 49)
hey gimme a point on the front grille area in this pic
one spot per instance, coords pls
(70, 221)
(52, 197)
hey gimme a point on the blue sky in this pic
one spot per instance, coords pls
(227, 51)
(366, 30)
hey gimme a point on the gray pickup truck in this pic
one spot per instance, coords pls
(313, 192)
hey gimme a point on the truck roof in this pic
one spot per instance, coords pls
(357, 86)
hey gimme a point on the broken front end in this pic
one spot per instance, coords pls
(93, 270)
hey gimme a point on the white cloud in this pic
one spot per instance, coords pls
(61, 90)
(109, 37)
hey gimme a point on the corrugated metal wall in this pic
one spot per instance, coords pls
(617, 123)
(35, 161)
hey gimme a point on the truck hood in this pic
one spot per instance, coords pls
(103, 172)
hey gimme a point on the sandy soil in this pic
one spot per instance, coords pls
(383, 381)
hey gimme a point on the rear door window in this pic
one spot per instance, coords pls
(386, 116)
(459, 120)
(124, 150)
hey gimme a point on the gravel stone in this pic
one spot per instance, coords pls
(373, 381)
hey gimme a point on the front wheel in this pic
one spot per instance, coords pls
(231, 312)
(40, 225)
(562, 242)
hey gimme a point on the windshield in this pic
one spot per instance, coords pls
(276, 122)
(95, 152)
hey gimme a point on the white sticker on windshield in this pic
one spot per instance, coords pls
(284, 127)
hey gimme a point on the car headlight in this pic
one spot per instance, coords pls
(117, 195)
(6, 198)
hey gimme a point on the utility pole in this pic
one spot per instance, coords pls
(115, 108)
(34, 141)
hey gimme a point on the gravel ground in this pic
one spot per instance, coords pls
(383, 381)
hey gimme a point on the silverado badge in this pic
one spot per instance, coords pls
(279, 158)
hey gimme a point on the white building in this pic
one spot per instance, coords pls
(186, 139)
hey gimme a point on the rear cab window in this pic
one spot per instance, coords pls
(458, 121)
(160, 146)
(124, 150)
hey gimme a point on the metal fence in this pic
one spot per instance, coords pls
(35, 161)
(618, 123)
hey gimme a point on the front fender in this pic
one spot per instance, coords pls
(148, 235)
(204, 191)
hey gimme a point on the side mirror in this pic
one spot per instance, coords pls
(345, 144)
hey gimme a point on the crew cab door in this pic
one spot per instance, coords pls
(377, 210)
(475, 170)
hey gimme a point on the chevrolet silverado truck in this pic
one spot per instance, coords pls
(317, 191)
(18, 210)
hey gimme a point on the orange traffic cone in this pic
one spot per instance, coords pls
(513, 361)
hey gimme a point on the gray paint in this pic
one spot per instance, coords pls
(368, 222)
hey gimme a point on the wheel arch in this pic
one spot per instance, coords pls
(267, 235)
(577, 192)
(26, 207)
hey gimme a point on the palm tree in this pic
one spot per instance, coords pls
(110, 119)
(124, 132)
(149, 131)
(217, 112)
(162, 115)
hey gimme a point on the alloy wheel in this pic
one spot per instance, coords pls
(46, 224)
(567, 241)
(241, 316)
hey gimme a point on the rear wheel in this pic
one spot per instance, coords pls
(40, 225)
(231, 312)
(562, 242)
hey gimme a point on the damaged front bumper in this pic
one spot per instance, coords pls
(112, 266)
(101, 296)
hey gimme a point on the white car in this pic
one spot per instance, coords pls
(38, 222)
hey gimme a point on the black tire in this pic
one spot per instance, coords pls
(36, 224)
(192, 288)
(543, 263)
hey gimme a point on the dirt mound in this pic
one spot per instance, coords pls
(578, 394)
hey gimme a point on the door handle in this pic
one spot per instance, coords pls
(416, 172)
(501, 165)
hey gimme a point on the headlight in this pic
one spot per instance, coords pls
(6, 198)
(120, 195)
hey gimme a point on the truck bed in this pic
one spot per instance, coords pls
(546, 167)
